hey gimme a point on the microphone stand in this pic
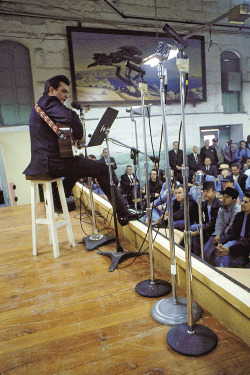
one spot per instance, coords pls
(119, 255)
(96, 239)
(152, 287)
(188, 338)
(172, 310)
(198, 183)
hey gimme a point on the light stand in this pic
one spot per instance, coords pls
(171, 310)
(152, 287)
(188, 338)
(198, 182)
(96, 239)
(119, 255)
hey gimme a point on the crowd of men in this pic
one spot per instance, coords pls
(226, 198)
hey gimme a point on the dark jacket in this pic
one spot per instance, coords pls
(193, 165)
(44, 142)
(178, 211)
(213, 171)
(175, 159)
(209, 225)
(242, 181)
(242, 248)
(125, 184)
(209, 152)
(112, 160)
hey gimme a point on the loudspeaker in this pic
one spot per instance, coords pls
(71, 203)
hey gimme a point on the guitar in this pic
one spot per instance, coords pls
(70, 146)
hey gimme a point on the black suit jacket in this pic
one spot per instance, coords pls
(178, 212)
(242, 181)
(209, 152)
(209, 225)
(213, 171)
(175, 159)
(125, 184)
(193, 166)
(44, 141)
(242, 247)
(112, 160)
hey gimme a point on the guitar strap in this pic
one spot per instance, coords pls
(51, 124)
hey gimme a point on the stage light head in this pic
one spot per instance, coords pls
(239, 14)
(163, 52)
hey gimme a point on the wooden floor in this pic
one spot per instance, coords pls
(71, 316)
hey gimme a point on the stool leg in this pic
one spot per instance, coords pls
(46, 209)
(34, 189)
(66, 213)
(52, 220)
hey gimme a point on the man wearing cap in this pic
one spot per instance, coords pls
(228, 181)
(210, 208)
(235, 251)
(224, 220)
(45, 155)
(219, 151)
(210, 152)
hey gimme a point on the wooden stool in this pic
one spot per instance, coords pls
(46, 182)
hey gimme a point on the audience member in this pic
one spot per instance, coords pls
(178, 210)
(155, 185)
(208, 168)
(105, 160)
(229, 151)
(160, 172)
(246, 169)
(210, 152)
(224, 220)
(127, 184)
(176, 160)
(193, 189)
(194, 160)
(239, 176)
(97, 189)
(248, 142)
(229, 181)
(219, 151)
(242, 154)
(235, 250)
(210, 208)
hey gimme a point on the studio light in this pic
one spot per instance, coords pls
(163, 52)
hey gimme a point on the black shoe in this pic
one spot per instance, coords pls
(58, 207)
(129, 216)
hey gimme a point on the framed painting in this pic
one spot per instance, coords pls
(100, 77)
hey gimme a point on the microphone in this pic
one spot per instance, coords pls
(76, 105)
(174, 35)
(131, 66)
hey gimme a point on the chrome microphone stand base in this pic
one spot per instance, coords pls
(192, 341)
(152, 289)
(168, 311)
(94, 241)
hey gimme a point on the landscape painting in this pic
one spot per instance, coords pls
(100, 77)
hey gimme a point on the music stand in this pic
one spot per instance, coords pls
(96, 239)
(100, 134)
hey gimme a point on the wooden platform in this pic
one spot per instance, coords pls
(71, 316)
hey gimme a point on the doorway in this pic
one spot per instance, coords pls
(223, 133)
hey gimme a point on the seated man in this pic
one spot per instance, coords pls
(97, 189)
(224, 220)
(210, 208)
(208, 168)
(193, 189)
(229, 181)
(239, 176)
(178, 210)
(246, 169)
(155, 185)
(235, 251)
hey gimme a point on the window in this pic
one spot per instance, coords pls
(16, 89)
(231, 82)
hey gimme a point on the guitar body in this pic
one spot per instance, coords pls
(68, 147)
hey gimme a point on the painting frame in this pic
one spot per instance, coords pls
(99, 76)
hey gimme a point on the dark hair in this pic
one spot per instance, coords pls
(105, 148)
(247, 194)
(91, 156)
(130, 166)
(235, 165)
(180, 186)
(55, 82)
(242, 141)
